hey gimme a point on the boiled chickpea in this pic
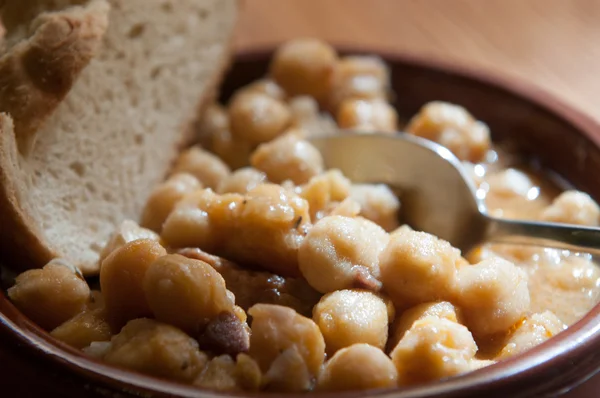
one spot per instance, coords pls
(323, 190)
(265, 86)
(127, 232)
(214, 120)
(164, 197)
(417, 267)
(304, 67)
(509, 183)
(308, 120)
(157, 349)
(573, 207)
(197, 220)
(83, 329)
(369, 116)
(233, 151)
(276, 329)
(288, 158)
(359, 77)
(256, 118)
(269, 227)
(242, 181)
(433, 348)
(347, 208)
(377, 203)
(530, 332)
(289, 373)
(493, 295)
(439, 309)
(348, 317)
(223, 373)
(121, 278)
(206, 167)
(185, 292)
(51, 295)
(342, 253)
(452, 126)
(358, 367)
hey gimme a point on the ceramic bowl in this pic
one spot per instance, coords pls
(541, 127)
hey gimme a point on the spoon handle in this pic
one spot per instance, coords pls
(560, 236)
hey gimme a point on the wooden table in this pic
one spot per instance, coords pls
(551, 43)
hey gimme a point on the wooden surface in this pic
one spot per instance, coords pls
(551, 43)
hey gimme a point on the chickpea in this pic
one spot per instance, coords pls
(242, 180)
(121, 279)
(452, 126)
(433, 348)
(358, 367)
(417, 267)
(276, 329)
(225, 374)
(206, 167)
(51, 295)
(213, 121)
(510, 183)
(234, 152)
(256, 118)
(347, 208)
(83, 329)
(323, 190)
(269, 223)
(304, 67)
(197, 220)
(97, 349)
(265, 86)
(157, 349)
(493, 295)
(288, 158)
(289, 373)
(269, 228)
(369, 116)
(439, 309)
(342, 253)
(185, 292)
(127, 232)
(348, 317)
(573, 207)
(165, 196)
(359, 77)
(307, 118)
(377, 203)
(530, 332)
(251, 287)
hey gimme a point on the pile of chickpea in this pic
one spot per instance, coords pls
(283, 276)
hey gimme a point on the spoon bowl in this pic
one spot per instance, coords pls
(437, 195)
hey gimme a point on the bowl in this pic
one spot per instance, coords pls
(538, 125)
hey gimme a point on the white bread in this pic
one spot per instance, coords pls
(87, 133)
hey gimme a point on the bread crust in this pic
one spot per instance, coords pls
(37, 73)
(21, 242)
(35, 76)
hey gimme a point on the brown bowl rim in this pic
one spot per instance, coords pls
(581, 340)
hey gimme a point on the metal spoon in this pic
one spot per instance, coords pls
(437, 195)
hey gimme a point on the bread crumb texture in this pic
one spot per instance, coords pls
(105, 133)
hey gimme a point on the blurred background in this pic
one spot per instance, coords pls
(551, 43)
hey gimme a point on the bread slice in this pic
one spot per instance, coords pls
(82, 146)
